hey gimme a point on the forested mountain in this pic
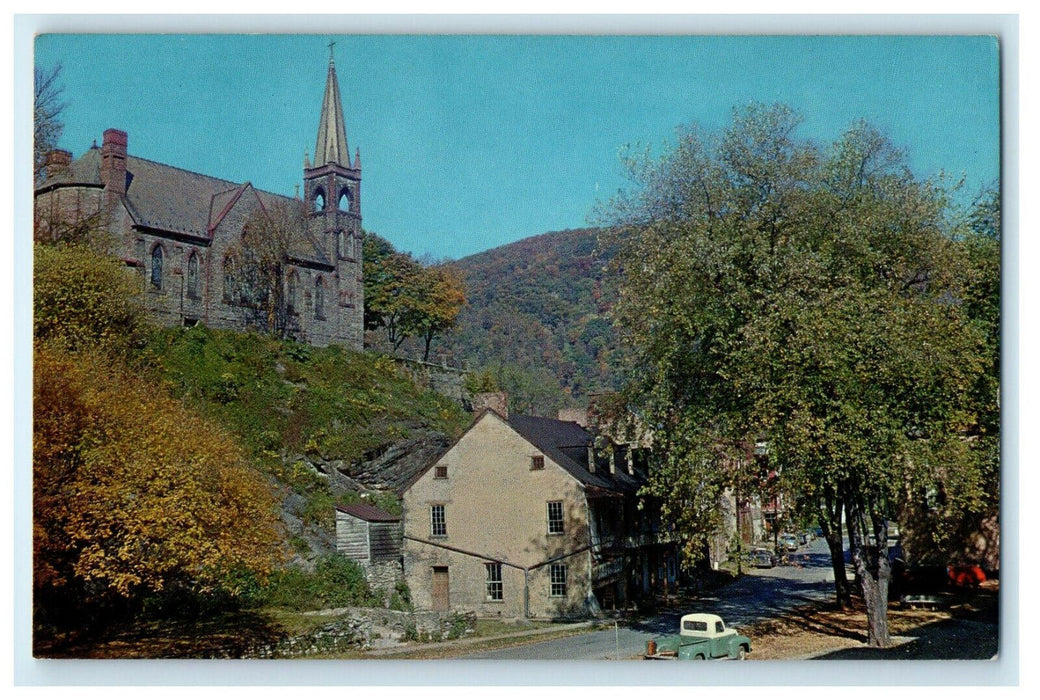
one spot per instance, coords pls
(537, 320)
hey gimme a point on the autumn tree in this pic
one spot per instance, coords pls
(439, 307)
(132, 493)
(810, 300)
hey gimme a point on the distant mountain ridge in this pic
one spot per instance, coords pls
(538, 319)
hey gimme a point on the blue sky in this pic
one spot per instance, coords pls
(469, 142)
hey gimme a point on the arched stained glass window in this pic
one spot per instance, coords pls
(193, 275)
(157, 264)
(229, 280)
(290, 295)
(319, 298)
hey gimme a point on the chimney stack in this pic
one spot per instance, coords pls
(592, 458)
(57, 160)
(113, 162)
(497, 401)
(574, 415)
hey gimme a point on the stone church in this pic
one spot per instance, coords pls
(187, 235)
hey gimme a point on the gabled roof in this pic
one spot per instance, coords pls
(368, 513)
(177, 201)
(566, 443)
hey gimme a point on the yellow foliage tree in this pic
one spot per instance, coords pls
(132, 492)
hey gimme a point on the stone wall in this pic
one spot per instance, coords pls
(446, 381)
(367, 628)
(383, 575)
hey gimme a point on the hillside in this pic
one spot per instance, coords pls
(326, 424)
(537, 317)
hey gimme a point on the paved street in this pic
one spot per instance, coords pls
(760, 594)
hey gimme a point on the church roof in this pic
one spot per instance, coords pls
(331, 146)
(182, 202)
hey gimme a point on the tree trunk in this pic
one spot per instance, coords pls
(428, 337)
(830, 524)
(873, 572)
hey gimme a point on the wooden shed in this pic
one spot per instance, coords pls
(368, 534)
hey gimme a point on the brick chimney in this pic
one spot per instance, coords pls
(574, 415)
(57, 161)
(497, 401)
(113, 162)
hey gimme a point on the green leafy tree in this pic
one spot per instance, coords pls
(809, 300)
(393, 290)
(406, 298)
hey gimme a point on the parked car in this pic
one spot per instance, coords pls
(763, 558)
(789, 541)
(701, 636)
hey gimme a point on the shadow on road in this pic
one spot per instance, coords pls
(946, 639)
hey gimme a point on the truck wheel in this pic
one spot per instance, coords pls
(699, 657)
(742, 653)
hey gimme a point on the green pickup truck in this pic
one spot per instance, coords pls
(701, 636)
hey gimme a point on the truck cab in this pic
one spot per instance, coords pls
(702, 636)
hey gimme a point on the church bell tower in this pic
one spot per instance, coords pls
(332, 191)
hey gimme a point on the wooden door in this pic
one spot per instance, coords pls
(440, 588)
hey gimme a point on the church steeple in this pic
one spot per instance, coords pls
(331, 146)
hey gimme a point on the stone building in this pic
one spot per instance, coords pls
(188, 238)
(529, 517)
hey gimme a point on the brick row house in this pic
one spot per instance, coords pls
(187, 234)
(527, 517)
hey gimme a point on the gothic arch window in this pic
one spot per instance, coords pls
(229, 280)
(157, 266)
(193, 275)
(319, 200)
(290, 293)
(346, 200)
(319, 298)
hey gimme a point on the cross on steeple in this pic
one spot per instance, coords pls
(331, 44)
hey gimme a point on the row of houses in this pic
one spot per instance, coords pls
(522, 516)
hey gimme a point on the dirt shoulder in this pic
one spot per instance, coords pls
(965, 629)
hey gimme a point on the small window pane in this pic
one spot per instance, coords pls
(555, 514)
(538, 462)
(438, 525)
(442, 472)
(493, 573)
(557, 580)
